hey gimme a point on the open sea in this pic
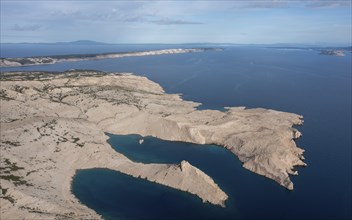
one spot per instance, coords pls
(299, 81)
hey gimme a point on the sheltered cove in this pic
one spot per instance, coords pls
(54, 123)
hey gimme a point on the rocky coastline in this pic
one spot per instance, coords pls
(54, 123)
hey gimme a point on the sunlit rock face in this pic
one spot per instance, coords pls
(53, 124)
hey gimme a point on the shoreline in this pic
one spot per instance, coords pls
(52, 59)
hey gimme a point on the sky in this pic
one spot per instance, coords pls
(242, 22)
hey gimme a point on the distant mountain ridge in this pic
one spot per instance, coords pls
(82, 42)
(78, 42)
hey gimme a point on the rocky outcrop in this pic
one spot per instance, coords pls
(53, 124)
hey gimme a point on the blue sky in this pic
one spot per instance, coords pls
(244, 22)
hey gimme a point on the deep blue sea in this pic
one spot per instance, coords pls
(298, 81)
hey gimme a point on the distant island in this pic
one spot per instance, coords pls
(54, 123)
(330, 51)
(333, 52)
(82, 42)
(40, 60)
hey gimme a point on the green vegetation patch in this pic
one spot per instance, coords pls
(20, 89)
(4, 95)
(11, 143)
(3, 195)
(6, 173)
(10, 166)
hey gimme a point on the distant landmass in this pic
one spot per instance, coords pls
(82, 42)
(331, 51)
(336, 51)
(40, 60)
(77, 42)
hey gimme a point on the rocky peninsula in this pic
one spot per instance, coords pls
(41, 60)
(53, 124)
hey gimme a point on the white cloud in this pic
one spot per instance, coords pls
(168, 21)
(26, 27)
(138, 21)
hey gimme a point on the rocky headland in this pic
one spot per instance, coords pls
(53, 124)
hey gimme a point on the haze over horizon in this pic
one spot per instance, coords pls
(239, 22)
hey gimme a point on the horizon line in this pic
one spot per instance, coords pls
(85, 42)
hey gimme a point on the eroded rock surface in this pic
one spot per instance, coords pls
(54, 123)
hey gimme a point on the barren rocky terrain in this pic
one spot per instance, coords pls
(53, 124)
